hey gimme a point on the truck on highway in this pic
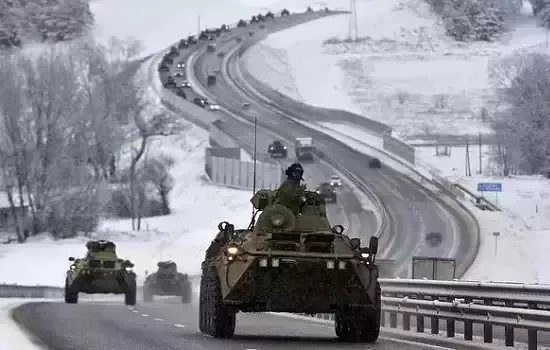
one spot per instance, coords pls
(211, 80)
(304, 148)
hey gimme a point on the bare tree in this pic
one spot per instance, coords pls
(523, 124)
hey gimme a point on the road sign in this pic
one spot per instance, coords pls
(489, 187)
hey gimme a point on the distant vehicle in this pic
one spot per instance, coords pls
(335, 181)
(269, 15)
(183, 44)
(374, 163)
(211, 80)
(178, 73)
(241, 24)
(285, 12)
(304, 148)
(211, 37)
(210, 48)
(201, 102)
(181, 92)
(225, 28)
(221, 54)
(167, 281)
(191, 39)
(185, 84)
(328, 192)
(260, 17)
(164, 68)
(213, 107)
(204, 35)
(277, 149)
(254, 19)
(169, 83)
(101, 271)
(180, 65)
(434, 238)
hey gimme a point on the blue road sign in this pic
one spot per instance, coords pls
(489, 187)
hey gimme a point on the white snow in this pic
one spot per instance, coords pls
(13, 337)
(404, 71)
(162, 23)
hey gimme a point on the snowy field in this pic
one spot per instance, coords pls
(404, 72)
(165, 22)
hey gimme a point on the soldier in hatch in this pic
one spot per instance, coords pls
(290, 193)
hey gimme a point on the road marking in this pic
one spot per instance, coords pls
(144, 315)
(179, 325)
(130, 308)
(135, 311)
(159, 319)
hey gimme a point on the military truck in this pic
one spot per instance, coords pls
(167, 281)
(290, 262)
(304, 148)
(101, 271)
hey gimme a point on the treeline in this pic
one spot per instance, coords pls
(522, 123)
(74, 133)
(471, 20)
(43, 21)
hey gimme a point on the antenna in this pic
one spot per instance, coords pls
(254, 173)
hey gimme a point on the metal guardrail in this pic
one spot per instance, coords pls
(512, 305)
(17, 291)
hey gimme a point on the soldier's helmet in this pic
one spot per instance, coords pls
(295, 172)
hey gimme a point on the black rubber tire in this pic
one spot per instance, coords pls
(130, 295)
(360, 324)
(71, 293)
(202, 306)
(220, 320)
(186, 292)
(147, 294)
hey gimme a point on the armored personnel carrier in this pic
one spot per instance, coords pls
(290, 262)
(101, 271)
(167, 281)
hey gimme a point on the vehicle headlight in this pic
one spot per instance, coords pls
(277, 220)
(73, 267)
(284, 147)
(365, 255)
(232, 250)
(129, 269)
(318, 192)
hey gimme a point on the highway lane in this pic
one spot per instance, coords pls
(348, 211)
(167, 325)
(412, 210)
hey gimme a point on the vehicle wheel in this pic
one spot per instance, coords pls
(202, 306)
(360, 324)
(71, 293)
(147, 294)
(186, 292)
(220, 319)
(131, 290)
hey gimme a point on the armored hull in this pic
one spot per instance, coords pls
(297, 284)
(102, 282)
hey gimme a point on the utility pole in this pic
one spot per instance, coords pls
(198, 24)
(480, 157)
(353, 31)
(468, 169)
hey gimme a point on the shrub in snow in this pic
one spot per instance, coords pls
(43, 20)
(467, 20)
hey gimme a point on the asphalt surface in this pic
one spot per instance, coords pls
(412, 210)
(166, 324)
(347, 211)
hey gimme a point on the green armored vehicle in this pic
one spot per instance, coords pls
(290, 262)
(100, 272)
(167, 281)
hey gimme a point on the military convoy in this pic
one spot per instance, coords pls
(100, 271)
(290, 262)
(167, 281)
